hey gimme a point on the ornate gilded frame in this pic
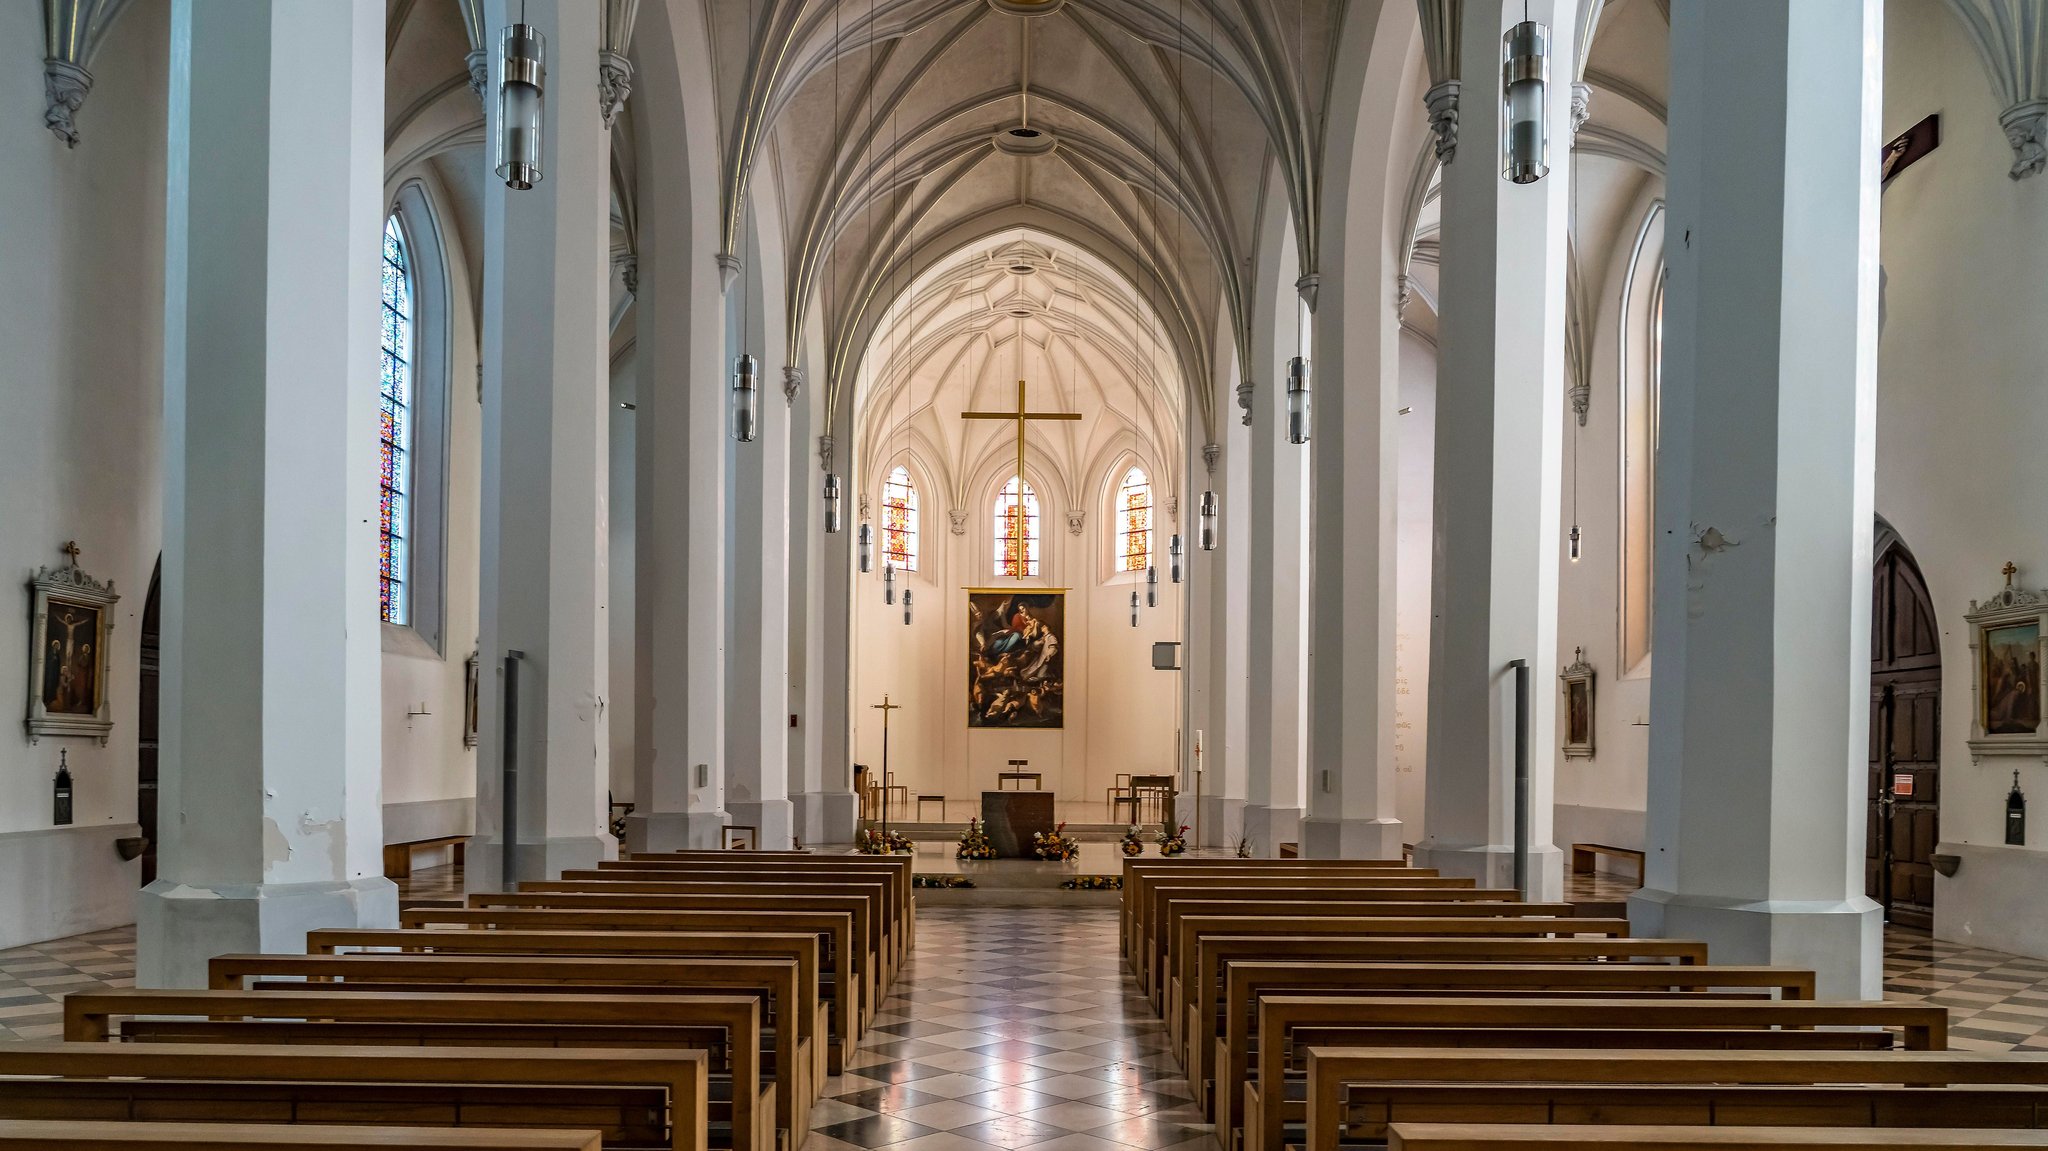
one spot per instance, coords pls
(2012, 610)
(59, 588)
(1577, 678)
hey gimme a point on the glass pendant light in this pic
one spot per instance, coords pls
(889, 582)
(746, 398)
(867, 547)
(831, 503)
(1525, 76)
(522, 76)
(1173, 555)
(1575, 543)
(906, 607)
(1208, 515)
(1297, 400)
(1134, 609)
(1151, 585)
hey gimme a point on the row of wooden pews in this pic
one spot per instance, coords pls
(1326, 1005)
(689, 1001)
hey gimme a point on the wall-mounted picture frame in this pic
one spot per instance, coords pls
(1576, 723)
(71, 620)
(2008, 646)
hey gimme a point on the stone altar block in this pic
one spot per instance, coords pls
(1011, 817)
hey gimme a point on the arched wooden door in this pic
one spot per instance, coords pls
(146, 721)
(1905, 737)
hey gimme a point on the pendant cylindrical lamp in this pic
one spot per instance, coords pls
(1525, 78)
(1297, 400)
(1575, 543)
(1173, 555)
(831, 503)
(1134, 609)
(746, 398)
(1151, 585)
(522, 80)
(867, 547)
(889, 581)
(1208, 518)
(906, 606)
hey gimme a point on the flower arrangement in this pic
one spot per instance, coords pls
(1056, 844)
(974, 843)
(1244, 847)
(942, 881)
(1173, 844)
(1133, 842)
(872, 842)
(1094, 883)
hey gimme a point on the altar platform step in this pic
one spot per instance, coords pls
(934, 832)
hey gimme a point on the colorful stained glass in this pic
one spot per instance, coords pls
(1134, 522)
(394, 463)
(899, 520)
(1016, 530)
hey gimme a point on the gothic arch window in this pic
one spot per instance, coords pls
(1131, 526)
(1016, 530)
(413, 373)
(899, 520)
(1642, 385)
(394, 465)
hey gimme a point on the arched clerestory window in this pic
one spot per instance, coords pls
(1642, 385)
(395, 458)
(899, 520)
(1132, 525)
(1016, 530)
(413, 371)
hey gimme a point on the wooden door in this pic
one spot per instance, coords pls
(1905, 739)
(146, 723)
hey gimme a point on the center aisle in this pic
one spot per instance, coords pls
(1010, 1028)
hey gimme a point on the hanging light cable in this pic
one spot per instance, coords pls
(1572, 258)
(1297, 367)
(834, 364)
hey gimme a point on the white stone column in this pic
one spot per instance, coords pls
(546, 472)
(1274, 528)
(757, 748)
(1760, 705)
(271, 763)
(682, 434)
(1500, 389)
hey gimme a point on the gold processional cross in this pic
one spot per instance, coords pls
(1017, 562)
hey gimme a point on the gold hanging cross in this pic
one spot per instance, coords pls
(1017, 511)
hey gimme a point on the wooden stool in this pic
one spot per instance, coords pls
(938, 799)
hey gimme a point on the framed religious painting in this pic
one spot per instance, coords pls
(1577, 721)
(71, 617)
(1016, 658)
(2006, 654)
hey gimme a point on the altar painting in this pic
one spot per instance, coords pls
(1016, 659)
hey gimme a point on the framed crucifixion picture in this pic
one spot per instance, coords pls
(70, 621)
(2007, 651)
(1577, 682)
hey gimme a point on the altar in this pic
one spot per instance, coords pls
(1012, 817)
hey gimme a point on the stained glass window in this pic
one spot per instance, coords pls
(1134, 522)
(899, 520)
(1016, 516)
(394, 477)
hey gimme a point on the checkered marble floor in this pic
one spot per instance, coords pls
(1015, 1027)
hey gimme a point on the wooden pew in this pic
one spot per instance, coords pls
(1496, 971)
(878, 926)
(1185, 961)
(568, 915)
(633, 1096)
(1466, 903)
(1368, 1088)
(1289, 1024)
(107, 1135)
(726, 1027)
(1140, 874)
(511, 971)
(1637, 1137)
(898, 869)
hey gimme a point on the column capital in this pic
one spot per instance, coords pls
(479, 64)
(1442, 102)
(2026, 129)
(65, 86)
(729, 269)
(1245, 390)
(614, 84)
(792, 382)
(1582, 105)
(1211, 452)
